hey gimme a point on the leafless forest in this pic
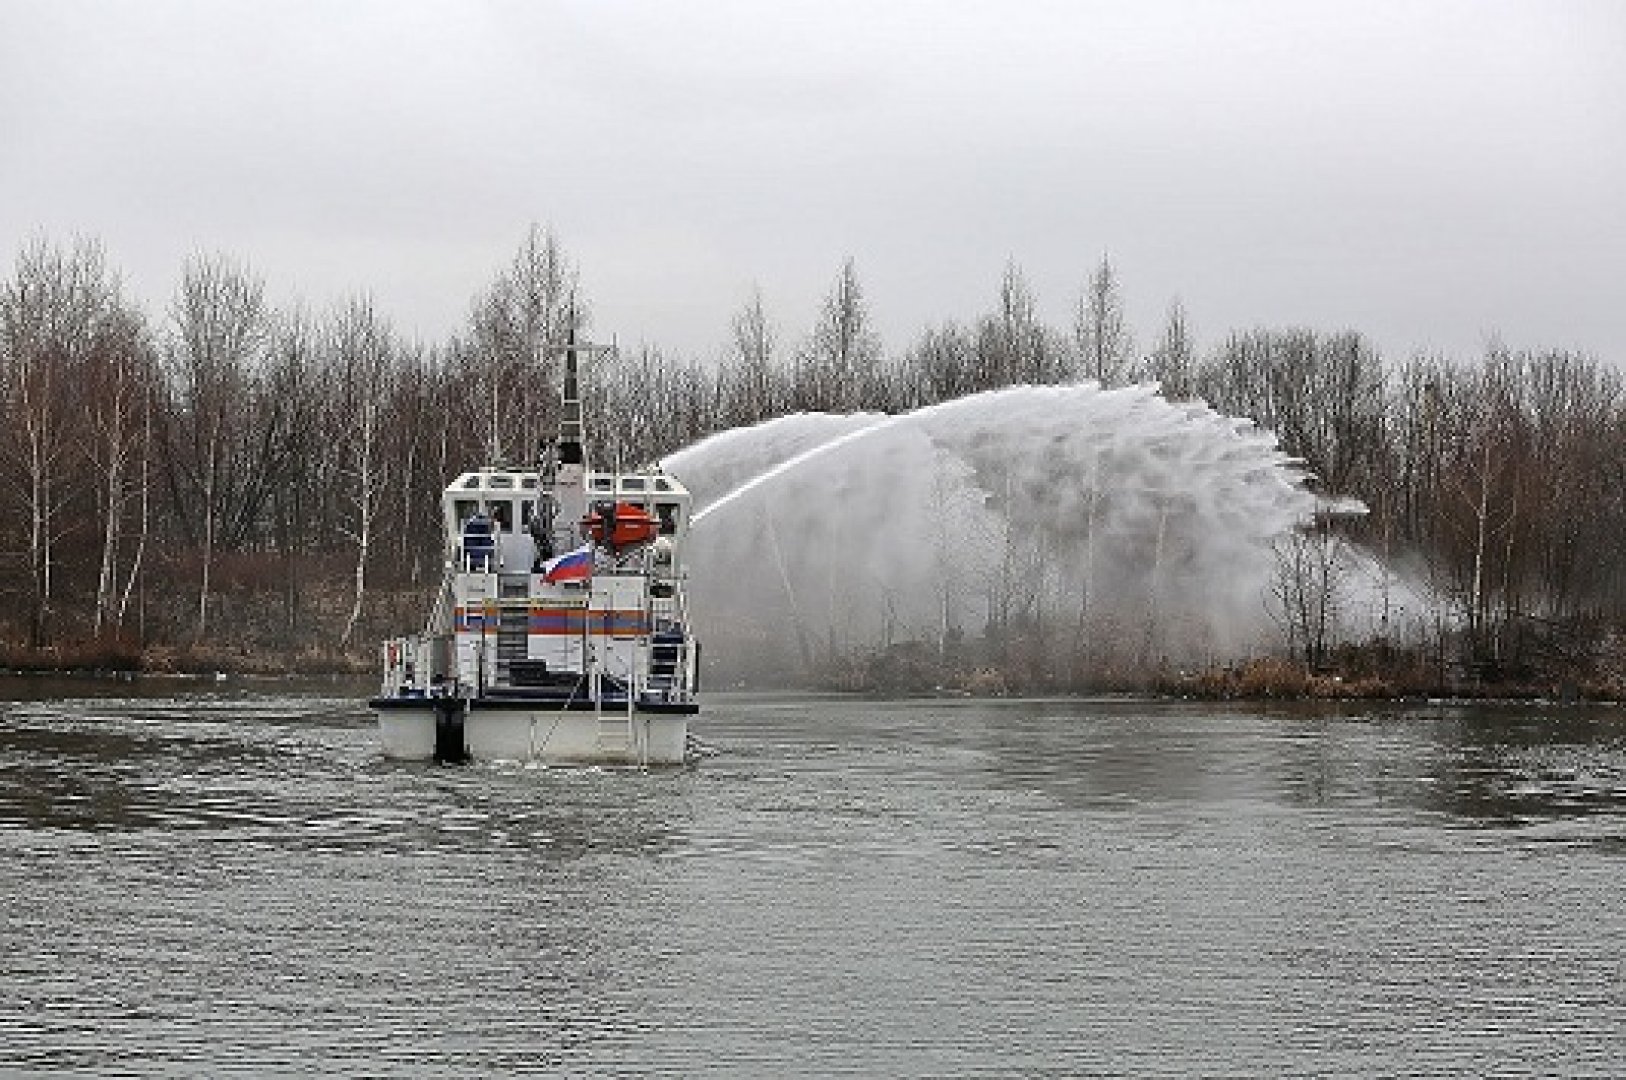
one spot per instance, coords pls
(222, 482)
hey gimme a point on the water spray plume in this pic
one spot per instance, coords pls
(1109, 523)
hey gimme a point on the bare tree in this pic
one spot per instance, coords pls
(1173, 362)
(1324, 396)
(61, 311)
(1105, 347)
(416, 430)
(221, 327)
(838, 365)
(514, 324)
(298, 388)
(750, 379)
(362, 358)
(1013, 344)
(943, 366)
(119, 383)
(1312, 565)
(144, 512)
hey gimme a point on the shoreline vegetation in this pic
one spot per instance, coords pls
(225, 486)
(116, 658)
(1373, 675)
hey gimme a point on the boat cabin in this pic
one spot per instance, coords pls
(501, 520)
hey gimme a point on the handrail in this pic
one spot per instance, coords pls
(437, 610)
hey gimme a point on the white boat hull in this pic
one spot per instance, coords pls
(541, 734)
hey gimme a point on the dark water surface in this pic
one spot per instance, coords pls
(231, 880)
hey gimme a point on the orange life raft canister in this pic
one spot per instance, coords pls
(628, 525)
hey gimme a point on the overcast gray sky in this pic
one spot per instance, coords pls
(1428, 172)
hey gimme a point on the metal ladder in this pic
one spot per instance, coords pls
(616, 733)
(513, 630)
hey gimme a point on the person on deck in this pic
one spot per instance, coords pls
(478, 543)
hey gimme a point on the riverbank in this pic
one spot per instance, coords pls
(124, 658)
(1272, 678)
(1368, 674)
(1259, 679)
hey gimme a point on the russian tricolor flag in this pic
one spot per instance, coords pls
(571, 566)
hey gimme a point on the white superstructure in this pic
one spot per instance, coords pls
(559, 632)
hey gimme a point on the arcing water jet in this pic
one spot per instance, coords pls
(1082, 528)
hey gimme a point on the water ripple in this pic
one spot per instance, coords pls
(237, 883)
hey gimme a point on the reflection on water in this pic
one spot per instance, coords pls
(1486, 765)
(232, 877)
(276, 770)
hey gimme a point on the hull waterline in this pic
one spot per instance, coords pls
(530, 732)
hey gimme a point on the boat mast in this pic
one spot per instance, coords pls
(571, 450)
(565, 477)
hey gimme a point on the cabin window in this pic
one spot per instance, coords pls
(463, 509)
(632, 483)
(471, 481)
(502, 512)
(527, 510)
(661, 484)
(528, 483)
(501, 483)
(601, 483)
(668, 515)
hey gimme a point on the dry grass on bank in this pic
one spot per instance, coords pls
(1273, 678)
(120, 656)
(1268, 678)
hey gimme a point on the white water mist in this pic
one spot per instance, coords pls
(1110, 524)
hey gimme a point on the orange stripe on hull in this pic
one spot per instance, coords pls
(561, 622)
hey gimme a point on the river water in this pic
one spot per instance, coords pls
(228, 879)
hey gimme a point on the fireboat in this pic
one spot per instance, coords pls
(560, 631)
